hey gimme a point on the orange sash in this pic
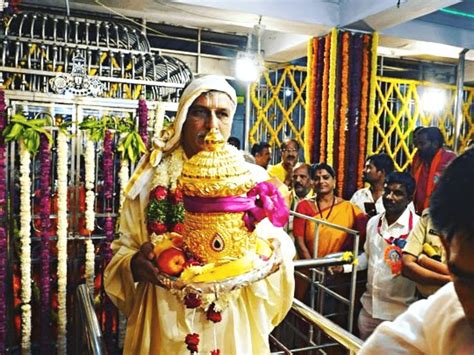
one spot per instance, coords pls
(430, 183)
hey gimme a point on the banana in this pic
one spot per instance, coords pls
(192, 271)
(264, 249)
(170, 240)
(227, 270)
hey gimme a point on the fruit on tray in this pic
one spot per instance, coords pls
(227, 269)
(169, 240)
(171, 261)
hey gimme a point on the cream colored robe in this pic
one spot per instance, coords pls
(158, 322)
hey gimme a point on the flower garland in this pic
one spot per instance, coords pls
(90, 212)
(331, 94)
(363, 108)
(343, 112)
(108, 168)
(317, 99)
(354, 113)
(25, 254)
(373, 83)
(312, 50)
(124, 176)
(62, 164)
(3, 229)
(143, 119)
(324, 100)
(45, 212)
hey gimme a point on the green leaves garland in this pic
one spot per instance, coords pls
(20, 128)
(131, 145)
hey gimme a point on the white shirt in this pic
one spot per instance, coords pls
(387, 295)
(365, 195)
(434, 326)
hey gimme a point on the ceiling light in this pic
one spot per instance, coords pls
(248, 66)
(433, 100)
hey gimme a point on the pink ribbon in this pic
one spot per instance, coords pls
(263, 200)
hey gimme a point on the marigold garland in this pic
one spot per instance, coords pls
(324, 99)
(331, 99)
(363, 109)
(343, 112)
(25, 249)
(309, 116)
(373, 83)
(62, 227)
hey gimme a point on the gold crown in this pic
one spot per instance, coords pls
(217, 171)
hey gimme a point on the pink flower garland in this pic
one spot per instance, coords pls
(45, 211)
(3, 231)
(143, 120)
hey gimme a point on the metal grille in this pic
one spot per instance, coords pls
(279, 106)
(399, 109)
(37, 46)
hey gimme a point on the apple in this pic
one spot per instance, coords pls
(171, 261)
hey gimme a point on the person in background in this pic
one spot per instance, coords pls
(329, 207)
(443, 323)
(302, 184)
(262, 153)
(234, 141)
(429, 162)
(388, 293)
(424, 257)
(289, 157)
(369, 199)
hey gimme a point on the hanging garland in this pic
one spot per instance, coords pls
(3, 228)
(27, 133)
(62, 163)
(354, 113)
(363, 109)
(331, 93)
(90, 212)
(373, 83)
(45, 212)
(343, 112)
(318, 103)
(25, 249)
(324, 100)
(143, 120)
(312, 50)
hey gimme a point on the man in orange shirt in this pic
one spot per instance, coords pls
(428, 164)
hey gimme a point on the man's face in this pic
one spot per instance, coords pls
(289, 155)
(461, 267)
(210, 110)
(371, 174)
(426, 148)
(301, 181)
(263, 158)
(395, 198)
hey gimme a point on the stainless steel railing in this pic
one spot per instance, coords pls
(89, 338)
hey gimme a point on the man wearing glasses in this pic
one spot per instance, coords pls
(289, 157)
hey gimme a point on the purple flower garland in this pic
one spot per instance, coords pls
(143, 120)
(3, 230)
(45, 211)
(355, 59)
(108, 168)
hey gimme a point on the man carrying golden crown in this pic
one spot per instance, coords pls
(217, 192)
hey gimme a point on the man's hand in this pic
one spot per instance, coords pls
(142, 265)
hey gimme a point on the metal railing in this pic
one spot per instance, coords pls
(318, 262)
(89, 336)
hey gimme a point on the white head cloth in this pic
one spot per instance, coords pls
(171, 137)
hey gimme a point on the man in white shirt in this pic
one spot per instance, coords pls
(444, 323)
(388, 292)
(369, 199)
